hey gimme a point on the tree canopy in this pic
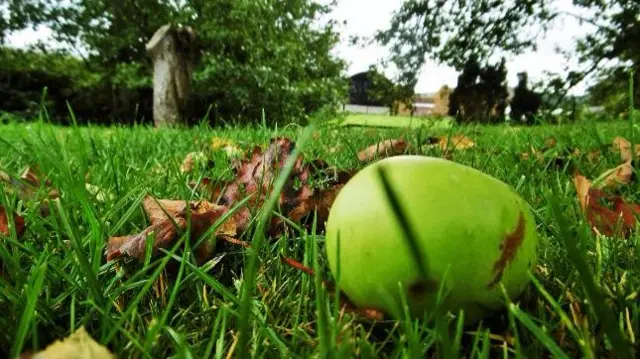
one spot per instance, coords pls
(254, 55)
(451, 31)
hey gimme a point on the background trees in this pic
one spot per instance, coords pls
(255, 56)
(451, 32)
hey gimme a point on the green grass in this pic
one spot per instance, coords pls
(56, 278)
(400, 121)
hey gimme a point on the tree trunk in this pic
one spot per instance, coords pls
(173, 52)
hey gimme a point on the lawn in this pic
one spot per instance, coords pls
(55, 277)
(399, 121)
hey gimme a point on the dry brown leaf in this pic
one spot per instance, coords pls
(457, 142)
(620, 144)
(79, 345)
(620, 175)
(162, 215)
(4, 223)
(255, 176)
(190, 161)
(601, 218)
(385, 148)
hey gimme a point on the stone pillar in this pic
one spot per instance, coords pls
(173, 52)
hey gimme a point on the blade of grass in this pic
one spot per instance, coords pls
(250, 272)
(619, 345)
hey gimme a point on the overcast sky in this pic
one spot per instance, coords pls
(364, 17)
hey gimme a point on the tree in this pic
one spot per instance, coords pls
(526, 102)
(256, 56)
(481, 93)
(451, 31)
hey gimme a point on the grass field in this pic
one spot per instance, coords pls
(55, 279)
(386, 121)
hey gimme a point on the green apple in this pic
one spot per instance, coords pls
(475, 234)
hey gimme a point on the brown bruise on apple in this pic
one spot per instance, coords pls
(509, 247)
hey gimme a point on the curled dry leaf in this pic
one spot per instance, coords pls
(385, 148)
(389, 148)
(601, 218)
(190, 161)
(620, 175)
(622, 145)
(162, 216)
(79, 345)
(255, 177)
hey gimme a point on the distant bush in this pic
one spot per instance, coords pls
(32, 80)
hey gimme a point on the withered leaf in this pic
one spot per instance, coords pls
(203, 215)
(190, 161)
(620, 175)
(456, 142)
(255, 177)
(385, 148)
(622, 145)
(4, 223)
(79, 345)
(601, 218)
(227, 145)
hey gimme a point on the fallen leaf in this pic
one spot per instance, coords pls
(385, 148)
(4, 223)
(162, 216)
(457, 142)
(79, 345)
(28, 184)
(310, 187)
(601, 218)
(229, 147)
(620, 175)
(620, 144)
(190, 161)
(254, 177)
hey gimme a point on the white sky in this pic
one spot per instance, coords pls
(364, 17)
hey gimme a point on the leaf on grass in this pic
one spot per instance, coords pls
(162, 216)
(456, 142)
(79, 345)
(228, 146)
(620, 144)
(28, 184)
(300, 196)
(385, 148)
(190, 160)
(601, 218)
(620, 175)
(18, 221)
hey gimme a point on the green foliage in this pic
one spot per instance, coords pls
(255, 56)
(612, 91)
(452, 31)
(481, 93)
(383, 91)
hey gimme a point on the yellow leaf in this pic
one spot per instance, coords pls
(78, 345)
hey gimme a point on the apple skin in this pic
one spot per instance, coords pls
(475, 233)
